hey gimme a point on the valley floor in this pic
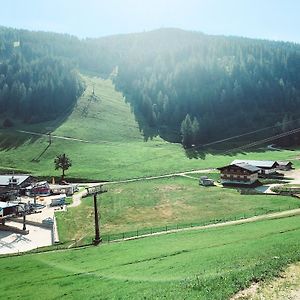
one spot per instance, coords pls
(149, 189)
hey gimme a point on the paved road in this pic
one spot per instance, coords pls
(15, 242)
(295, 174)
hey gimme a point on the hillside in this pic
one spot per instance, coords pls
(110, 146)
(225, 85)
(183, 86)
(207, 264)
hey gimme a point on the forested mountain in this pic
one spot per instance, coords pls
(36, 82)
(206, 87)
(185, 86)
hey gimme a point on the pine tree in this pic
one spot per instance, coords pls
(195, 131)
(187, 132)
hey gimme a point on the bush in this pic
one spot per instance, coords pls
(8, 123)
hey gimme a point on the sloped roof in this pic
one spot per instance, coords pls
(257, 163)
(244, 166)
(4, 179)
(284, 163)
(248, 167)
(7, 204)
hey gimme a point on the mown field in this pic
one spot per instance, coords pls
(208, 264)
(114, 148)
(152, 205)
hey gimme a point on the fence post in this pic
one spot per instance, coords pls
(151, 230)
(137, 232)
(176, 226)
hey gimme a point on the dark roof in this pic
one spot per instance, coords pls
(257, 163)
(248, 167)
(244, 166)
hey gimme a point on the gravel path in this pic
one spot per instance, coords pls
(277, 215)
(186, 173)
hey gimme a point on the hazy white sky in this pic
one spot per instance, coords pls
(271, 19)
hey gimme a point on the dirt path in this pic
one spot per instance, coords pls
(277, 215)
(287, 286)
(185, 174)
(54, 136)
(295, 174)
(77, 198)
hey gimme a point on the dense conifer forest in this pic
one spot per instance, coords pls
(208, 87)
(185, 86)
(36, 84)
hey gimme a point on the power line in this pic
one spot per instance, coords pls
(245, 134)
(246, 146)
(275, 137)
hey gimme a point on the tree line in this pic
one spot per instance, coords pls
(184, 86)
(35, 84)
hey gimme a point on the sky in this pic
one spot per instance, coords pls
(266, 19)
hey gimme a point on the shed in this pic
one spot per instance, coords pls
(8, 209)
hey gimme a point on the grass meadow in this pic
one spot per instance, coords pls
(151, 205)
(204, 264)
(114, 146)
(207, 264)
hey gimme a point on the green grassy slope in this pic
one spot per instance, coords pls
(210, 264)
(157, 203)
(116, 148)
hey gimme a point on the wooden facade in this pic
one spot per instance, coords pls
(266, 167)
(243, 174)
(284, 165)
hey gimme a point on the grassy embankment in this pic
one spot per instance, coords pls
(151, 205)
(116, 148)
(210, 264)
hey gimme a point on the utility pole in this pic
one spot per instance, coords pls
(50, 138)
(24, 221)
(95, 191)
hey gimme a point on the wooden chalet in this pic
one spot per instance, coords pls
(239, 174)
(284, 165)
(266, 166)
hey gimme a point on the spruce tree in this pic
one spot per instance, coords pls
(187, 132)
